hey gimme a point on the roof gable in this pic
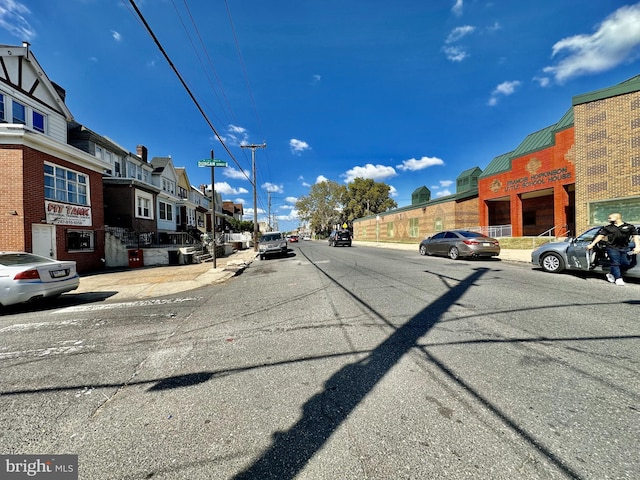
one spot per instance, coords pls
(21, 71)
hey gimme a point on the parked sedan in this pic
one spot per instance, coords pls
(572, 254)
(460, 243)
(25, 277)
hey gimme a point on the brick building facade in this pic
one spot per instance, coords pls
(558, 181)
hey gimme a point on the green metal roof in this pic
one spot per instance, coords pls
(532, 143)
(501, 163)
(628, 86)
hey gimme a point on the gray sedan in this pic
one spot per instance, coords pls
(25, 277)
(460, 243)
(572, 254)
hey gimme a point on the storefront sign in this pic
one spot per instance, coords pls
(65, 214)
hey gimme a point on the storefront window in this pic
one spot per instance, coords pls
(80, 240)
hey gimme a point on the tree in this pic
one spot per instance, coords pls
(364, 196)
(322, 207)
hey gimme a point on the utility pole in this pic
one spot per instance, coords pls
(255, 193)
(269, 209)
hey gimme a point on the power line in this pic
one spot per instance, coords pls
(186, 87)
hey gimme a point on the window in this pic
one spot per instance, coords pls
(99, 152)
(19, 113)
(166, 211)
(80, 240)
(2, 115)
(38, 121)
(390, 229)
(414, 227)
(143, 206)
(65, 185)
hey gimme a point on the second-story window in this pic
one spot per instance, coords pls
(38, 121)
(19, 113)
(65, 185)
(2, 114)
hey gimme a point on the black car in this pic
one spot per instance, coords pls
(340, 237)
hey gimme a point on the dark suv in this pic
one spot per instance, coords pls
(340, 237)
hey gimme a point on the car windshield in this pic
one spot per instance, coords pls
(271, 237)
(11, 259)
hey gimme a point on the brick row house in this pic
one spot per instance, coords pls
(70, 193)
(51, 200)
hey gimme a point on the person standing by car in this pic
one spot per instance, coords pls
(617, 236)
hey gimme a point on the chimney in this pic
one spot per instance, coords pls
(142, 152)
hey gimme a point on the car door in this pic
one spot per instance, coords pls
(436, 245)
(579, 258)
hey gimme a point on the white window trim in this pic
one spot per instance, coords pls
(149, 198)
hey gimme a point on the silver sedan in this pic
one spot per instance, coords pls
(572, 254)
(460, 243)
(25, 277)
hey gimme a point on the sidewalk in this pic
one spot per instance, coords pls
(148, 282)
(507, 254)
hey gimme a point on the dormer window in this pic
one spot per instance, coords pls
(2, 115)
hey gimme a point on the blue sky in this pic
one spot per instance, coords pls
(409, 93)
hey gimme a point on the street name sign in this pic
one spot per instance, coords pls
(211, 162)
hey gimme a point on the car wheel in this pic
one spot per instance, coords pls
(423, 250)
(552, 263)
(261, 257)
(454, 253)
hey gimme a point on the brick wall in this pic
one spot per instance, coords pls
(22, 190)
(429, 218)
(607, 152)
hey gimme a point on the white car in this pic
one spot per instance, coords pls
(25, 277)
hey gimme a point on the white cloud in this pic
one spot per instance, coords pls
(505, 89)
(392, 191)
(459, 32)
(457, 8)
(455, 54)
(542, 81)
(321, 178)
(375, 172)
(240, 200)
(225, 189)
(13, 18)
(615, 41)
(315, 80)
(443, 193)
(292, 216)
(425, 162)
(231, 172)
(298, 146)
(291, 200)
(116, 35)
(236, 135)
(446, 183)
(273, 188)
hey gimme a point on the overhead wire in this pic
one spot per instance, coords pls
(186, 87)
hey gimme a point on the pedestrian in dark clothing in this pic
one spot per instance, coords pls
(617, 236)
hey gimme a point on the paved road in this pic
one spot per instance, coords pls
(332, 363)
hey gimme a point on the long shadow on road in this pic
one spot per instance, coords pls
(324, 413)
